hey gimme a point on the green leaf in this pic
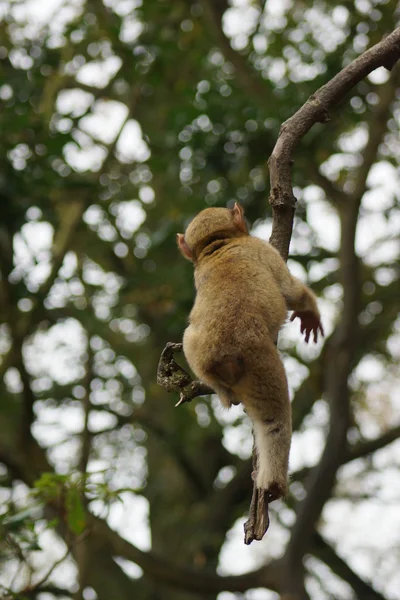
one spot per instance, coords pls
(18, 520)
(76, 517)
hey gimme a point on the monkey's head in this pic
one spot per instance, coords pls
(210, 225)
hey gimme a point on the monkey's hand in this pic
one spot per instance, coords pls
(310, 323)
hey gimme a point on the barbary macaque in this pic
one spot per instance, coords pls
(244, 290)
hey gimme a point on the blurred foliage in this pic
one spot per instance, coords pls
(119, 122)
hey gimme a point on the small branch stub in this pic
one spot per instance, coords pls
(173, 378)
(257, 524)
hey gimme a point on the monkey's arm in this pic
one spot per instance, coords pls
(298, 297)
(302, 301)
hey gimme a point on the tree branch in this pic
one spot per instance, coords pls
(327, 554)
(362, 449)
(190, 579)
(344, 341)
(386, 53)
(359, 450)
(282, 199)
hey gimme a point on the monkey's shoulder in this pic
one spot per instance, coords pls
(244, 253)
(258, 250)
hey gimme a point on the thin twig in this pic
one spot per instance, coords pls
(49, 571)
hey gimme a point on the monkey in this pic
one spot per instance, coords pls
(243, 292)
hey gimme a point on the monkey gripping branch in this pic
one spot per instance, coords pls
(226, 379)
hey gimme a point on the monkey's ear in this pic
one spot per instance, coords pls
(183, 247)
(238, 218)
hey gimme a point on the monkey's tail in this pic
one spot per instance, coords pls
(273, 444)
(265, 396)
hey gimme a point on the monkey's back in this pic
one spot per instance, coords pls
(239, 306)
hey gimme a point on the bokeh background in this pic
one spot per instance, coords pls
(119, 121)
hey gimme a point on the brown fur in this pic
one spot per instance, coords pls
(244, 290)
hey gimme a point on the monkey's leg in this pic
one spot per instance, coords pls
(225, 374)
(219, 374)
(264, 394)
(226, 395)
